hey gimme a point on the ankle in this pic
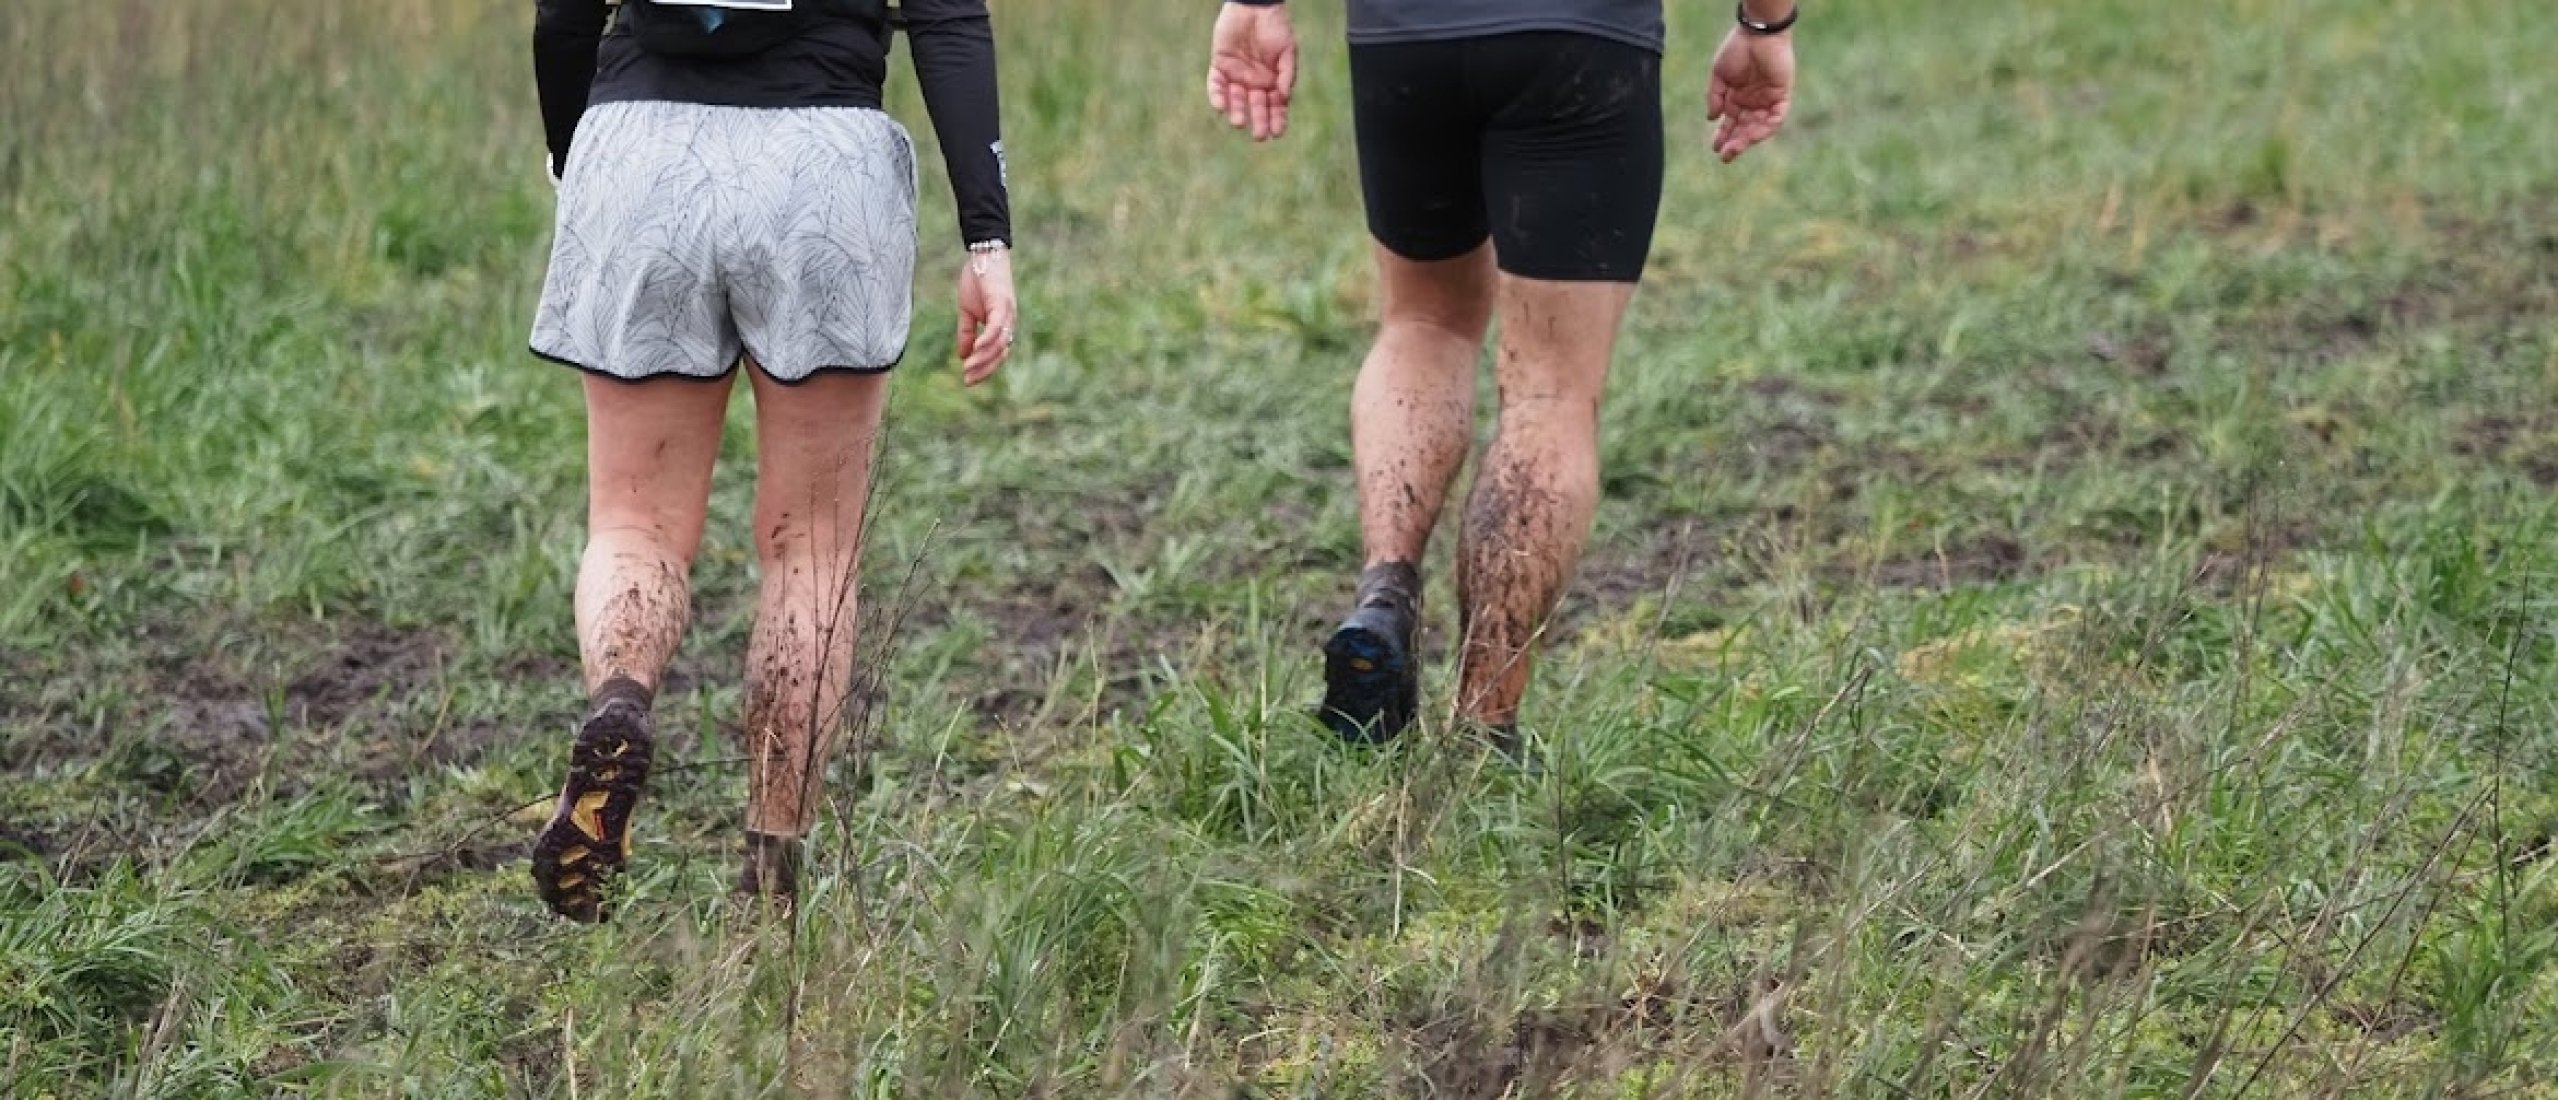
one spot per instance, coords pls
(1394, 581)
(620, 688)
(772, 866)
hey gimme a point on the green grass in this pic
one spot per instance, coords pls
(2075, 612)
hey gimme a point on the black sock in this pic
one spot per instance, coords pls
(622, 687)
(1397, 582)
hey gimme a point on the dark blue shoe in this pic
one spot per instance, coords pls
(1371, 680)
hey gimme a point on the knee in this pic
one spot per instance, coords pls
(1453, 299)
(1456, 317)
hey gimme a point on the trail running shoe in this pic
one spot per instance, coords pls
(589, 838)
(1372, 683)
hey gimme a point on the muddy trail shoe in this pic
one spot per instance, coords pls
(1372, 682)
(771, 873)
(589, 838)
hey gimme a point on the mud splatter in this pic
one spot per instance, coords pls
(1524, 530)
(632, 615)
(800, 691)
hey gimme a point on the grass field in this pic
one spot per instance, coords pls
(2075, 612)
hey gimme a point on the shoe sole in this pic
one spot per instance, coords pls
(1369, 690)
(589, 839)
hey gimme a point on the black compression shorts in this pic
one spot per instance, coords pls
(1549, 143)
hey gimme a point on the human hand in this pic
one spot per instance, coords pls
(1252, 68)
(987, 314)
(1752, 88)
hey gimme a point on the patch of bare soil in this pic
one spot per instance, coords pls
(2489, 280)
(2145, 353)
(200, 711)
(1465, 1051)
(1655, 562)
(26, 842)
(1036, 631)
(1797, 426)
(1983, 559)
(2527, 443)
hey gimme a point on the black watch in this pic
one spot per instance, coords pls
(1741, 13)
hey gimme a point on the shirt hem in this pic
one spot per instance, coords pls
(1491, 28)
(603, 95)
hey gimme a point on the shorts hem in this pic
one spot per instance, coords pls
(599, 372)
(842, 368)
(1421, 255)
(723, 376)
(1568, 275)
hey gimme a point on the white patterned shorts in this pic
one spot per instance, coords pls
(690, 235)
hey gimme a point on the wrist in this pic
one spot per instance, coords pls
(1767, 18)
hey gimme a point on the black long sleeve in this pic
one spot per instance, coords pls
(954, 42)
(566, 36)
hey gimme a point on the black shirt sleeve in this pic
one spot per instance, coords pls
(566, 35)
(954, 44)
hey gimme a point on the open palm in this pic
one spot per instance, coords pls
(1752, 88)
(1252, 68)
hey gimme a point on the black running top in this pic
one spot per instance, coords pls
(1374, 22)
(839, 61)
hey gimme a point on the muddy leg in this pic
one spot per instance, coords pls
(650, 447)
(814, 444)
(1411, 424)
(1412, 412)
(1538, 485)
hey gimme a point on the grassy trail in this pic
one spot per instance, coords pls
(2075, 610)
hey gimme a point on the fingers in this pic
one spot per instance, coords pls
(1736, 137)
(1264, 114)
(1746, 129)
(1238, 106)
(1217, 89)
(993, 343)
(1717, 96)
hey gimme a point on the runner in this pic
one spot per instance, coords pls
(1510, 153)
(730, 191)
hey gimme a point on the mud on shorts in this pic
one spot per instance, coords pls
(691, 235)
(1546, 142)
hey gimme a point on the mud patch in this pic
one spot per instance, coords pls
(358, 672)
(1984, 559)
(2471, 284)
(200, 712)
(1034, 632)
(2145, 353)
(1463, 1050)
(26, 843)
(2526, 444)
